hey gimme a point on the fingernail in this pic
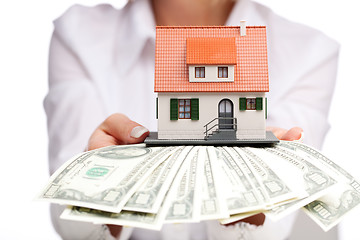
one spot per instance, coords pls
(301, 139)
(138, 131)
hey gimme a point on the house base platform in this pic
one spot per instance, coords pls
(152, 140)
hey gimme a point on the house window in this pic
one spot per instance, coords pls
(250, 104)
(199, 72)
(222, 72)
(184, 109)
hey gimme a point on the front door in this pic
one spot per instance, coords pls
(226, 111)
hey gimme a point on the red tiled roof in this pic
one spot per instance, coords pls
(171, 69)
(214, 50)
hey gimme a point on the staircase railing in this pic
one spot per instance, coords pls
(219, 125)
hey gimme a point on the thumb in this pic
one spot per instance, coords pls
(117, 129)
(293, 134)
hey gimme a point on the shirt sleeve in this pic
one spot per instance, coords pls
(72, 105)
(73, 110)
(307, 101)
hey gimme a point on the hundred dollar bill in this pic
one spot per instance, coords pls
(213, 205)
(241, 189)
(274, 189)
(104, 178)
(184, 193)
(124, 218)
(151, 193)
(327, 211)
(314, 181)
(152, 221)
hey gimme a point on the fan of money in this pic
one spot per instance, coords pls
(146, 187)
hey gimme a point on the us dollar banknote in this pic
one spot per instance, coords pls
(240, 187)
(213, 205)
(329, 209)
(151, 193)
(309, 178)
(275, 190)
(185, 192)
(124, 218)
(104, 178)
(152, 221)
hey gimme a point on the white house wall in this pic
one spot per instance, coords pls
(211, 73)
(250, 123)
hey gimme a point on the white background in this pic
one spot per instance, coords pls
(25, 30)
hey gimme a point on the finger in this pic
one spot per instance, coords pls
(100, 139)
(124, 130)
(294, 133)
(257, 219)
(117, 129)
(115, 230)
(278, 132)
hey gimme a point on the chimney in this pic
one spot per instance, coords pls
(242, 28)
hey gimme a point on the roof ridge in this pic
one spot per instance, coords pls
(169, 27)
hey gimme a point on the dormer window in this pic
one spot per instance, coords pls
(222, 72)
(214, 55)
(211, 73)
(199, 72)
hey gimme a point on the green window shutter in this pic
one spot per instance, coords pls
(194, 109)
(157, 108)
(174, 112)
(259, 103)
(242, 104)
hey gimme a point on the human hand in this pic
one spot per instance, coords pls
(295, 133)
(292, 134)
(117, 129)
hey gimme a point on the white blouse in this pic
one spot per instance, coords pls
(102, 61)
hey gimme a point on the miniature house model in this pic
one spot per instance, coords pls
(211, 82)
